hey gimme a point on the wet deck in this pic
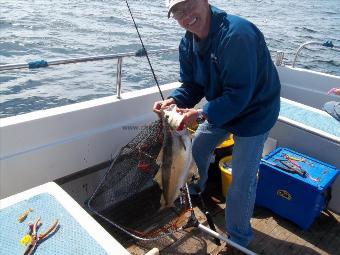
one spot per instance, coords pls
(272, 234)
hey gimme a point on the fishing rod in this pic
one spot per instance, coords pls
(144, 51)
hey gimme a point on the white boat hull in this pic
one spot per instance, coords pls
(46, 145)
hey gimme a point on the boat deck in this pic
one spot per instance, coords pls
(272, 234)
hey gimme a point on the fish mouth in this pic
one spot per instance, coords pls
(193, 21)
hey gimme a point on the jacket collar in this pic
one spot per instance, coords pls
(216, 22)
(217, 16)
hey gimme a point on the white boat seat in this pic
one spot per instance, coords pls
(310, 119)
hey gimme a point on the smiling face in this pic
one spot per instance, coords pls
(194, 16)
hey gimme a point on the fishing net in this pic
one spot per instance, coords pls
(129, 198)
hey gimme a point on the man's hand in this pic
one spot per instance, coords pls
(190, 116)
(335, 91)
(160, 105)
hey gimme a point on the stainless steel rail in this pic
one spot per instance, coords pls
(119, 77)
(326, 44)
(118, 56)
(86, 59)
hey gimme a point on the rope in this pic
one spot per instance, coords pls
(144, 51)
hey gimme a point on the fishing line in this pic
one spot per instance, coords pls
(145, 52)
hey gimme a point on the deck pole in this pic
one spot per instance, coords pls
(119, 77)
(225, 239)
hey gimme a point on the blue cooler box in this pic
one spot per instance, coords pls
(299, 196)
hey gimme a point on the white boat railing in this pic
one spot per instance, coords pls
(118, 56)
(327, 44)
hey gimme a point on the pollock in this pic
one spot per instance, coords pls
(175, 157)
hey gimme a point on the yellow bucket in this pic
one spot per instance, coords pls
(227, 143)
(225, 167)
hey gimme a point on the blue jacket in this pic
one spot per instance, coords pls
(233, 70)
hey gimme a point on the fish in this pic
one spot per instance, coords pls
(175, 157)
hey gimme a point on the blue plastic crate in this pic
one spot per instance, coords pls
(299, 194)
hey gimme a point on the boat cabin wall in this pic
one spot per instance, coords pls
(307, 87)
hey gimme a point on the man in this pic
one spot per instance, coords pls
(224, 58)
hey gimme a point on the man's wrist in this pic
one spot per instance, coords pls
(173, 100)
(201, 117)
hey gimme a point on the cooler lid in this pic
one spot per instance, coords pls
(302, 167)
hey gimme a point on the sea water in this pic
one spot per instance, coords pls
(61, 29)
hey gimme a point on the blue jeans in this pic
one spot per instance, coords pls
(246, 157)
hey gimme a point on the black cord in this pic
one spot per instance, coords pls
(146, 54)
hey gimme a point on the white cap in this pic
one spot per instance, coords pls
(172, 3)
